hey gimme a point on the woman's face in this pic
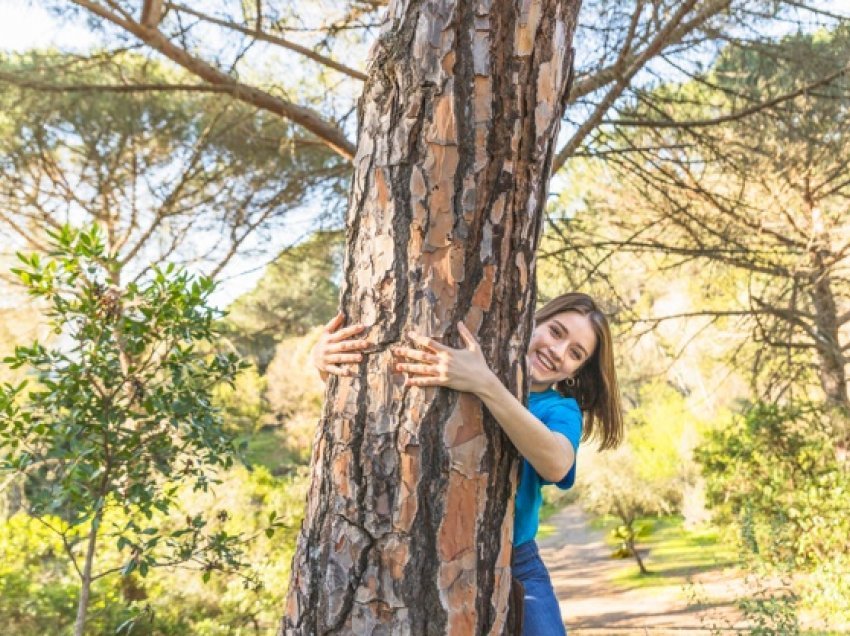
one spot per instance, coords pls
(559, 346)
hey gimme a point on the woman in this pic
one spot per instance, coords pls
(574, 397)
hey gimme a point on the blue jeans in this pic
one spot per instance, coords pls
(541, 614)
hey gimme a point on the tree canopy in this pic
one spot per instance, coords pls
(170, 176)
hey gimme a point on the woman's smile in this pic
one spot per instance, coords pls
(544, 361)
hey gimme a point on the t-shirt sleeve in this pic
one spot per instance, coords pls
(565, 418)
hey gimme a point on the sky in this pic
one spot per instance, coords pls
(24, 25)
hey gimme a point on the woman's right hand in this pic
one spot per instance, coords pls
(336, 351)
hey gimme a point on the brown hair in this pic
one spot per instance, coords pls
(595, 389)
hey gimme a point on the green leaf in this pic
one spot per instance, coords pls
(128, 567)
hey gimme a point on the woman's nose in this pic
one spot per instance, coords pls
(557, 352)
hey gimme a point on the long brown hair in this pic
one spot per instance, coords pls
(595, 389)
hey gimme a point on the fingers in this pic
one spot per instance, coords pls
(425, 341)
(347, 345)
(417, 369)
(468, 339)
(335, 323)
(334, 358)
(338, 370)
(423, 380)
(343, 334)
(415, 354)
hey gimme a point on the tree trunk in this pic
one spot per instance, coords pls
(631, 546)
(86, 579)
(410, 513)
(831, 360)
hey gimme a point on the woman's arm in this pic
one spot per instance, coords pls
(549, 453)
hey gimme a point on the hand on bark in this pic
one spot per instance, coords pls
(432, 363)
(336, 352)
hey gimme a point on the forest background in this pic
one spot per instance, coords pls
(701, 192)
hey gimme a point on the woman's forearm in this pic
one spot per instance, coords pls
(549, 453)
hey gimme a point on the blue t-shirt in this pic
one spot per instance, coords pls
(561, 415)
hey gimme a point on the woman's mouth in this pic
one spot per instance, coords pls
(543, 361)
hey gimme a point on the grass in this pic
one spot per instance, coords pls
(554, 499)
(545, 530)
(671, 553)
(267, 447)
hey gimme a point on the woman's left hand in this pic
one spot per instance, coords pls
(434, 364)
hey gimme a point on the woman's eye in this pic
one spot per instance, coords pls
(576, 354)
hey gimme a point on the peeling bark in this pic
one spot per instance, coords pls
(410, 512)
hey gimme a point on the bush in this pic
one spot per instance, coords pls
(117, 414)
(38, 587)
(774, 473)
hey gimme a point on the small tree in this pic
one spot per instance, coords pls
(120, 412)
(647, 475)
(619, 489)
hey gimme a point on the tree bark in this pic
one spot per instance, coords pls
(410, 511)
(831, 360)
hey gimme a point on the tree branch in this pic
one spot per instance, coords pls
(328, 132)
(591, 83)
(746, 112)
(151, 13)
(623, 70)
(258, 34)
(49, 87)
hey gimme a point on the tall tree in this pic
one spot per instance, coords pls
(408, 526)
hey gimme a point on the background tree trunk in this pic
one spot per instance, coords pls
(409, 518)
(86, 578)
(831, 359)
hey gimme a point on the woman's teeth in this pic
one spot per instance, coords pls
(545, 363)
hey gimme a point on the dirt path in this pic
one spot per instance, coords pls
(581, 570)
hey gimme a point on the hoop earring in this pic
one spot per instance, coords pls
(570, 382)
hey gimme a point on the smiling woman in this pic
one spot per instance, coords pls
(574, 397)
(557, 352)
(574, 322)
